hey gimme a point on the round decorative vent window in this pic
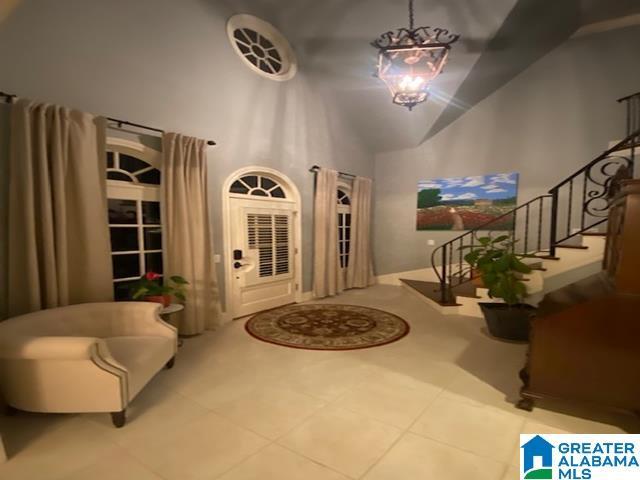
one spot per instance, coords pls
(262, 47)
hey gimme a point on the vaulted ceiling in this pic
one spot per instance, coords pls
(499, 39)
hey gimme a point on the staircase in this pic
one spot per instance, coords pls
(564, 230)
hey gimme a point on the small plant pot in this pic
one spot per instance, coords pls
(476, 278)
(164, 300)
(508, 322)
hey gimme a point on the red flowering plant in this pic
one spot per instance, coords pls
(150, 287)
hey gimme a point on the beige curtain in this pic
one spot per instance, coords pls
(5, 111)
(327, 277)
(188, 246)
(58, 240)
(360, 269)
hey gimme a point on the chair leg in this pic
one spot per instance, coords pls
(10, 411)
(170, 363)
(119, 418)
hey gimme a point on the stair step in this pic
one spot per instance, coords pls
(539, 268)
(431, 290)
(594, 234)
(577, 247)
(536, 266)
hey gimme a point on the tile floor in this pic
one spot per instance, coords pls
(436, 404)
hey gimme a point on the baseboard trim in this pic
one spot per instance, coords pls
(306, 296)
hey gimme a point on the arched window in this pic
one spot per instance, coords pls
(344, 224)
(258, 186)
(133, 193)
(127, 168)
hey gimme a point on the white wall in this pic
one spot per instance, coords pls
(546, 123)
(169, 64)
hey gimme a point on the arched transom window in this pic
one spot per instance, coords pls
(128, 168)
(257, 186)
(344, 224)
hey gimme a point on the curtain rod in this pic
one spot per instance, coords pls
(10, 97)
(7, 97)
(138, 125)
(315, 168)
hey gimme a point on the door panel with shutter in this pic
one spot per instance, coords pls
(262, 238)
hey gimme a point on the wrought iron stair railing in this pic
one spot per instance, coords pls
(529, 219)
(632, 103)
(581, 201)
(577, 204)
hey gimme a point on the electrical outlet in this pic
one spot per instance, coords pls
(216, 258)
(431, 242)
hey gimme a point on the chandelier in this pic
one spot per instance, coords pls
(409, 58)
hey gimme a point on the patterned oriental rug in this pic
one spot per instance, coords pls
(327, 327)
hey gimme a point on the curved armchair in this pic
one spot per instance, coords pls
(92, 357)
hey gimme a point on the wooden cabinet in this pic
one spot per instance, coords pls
(585, 339)
(622, 253)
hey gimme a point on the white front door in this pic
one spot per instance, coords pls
(262, 259)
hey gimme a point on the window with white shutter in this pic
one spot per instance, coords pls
(269, 235)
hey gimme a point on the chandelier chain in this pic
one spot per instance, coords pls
(410, 14)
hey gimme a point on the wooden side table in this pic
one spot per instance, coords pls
(170, 310)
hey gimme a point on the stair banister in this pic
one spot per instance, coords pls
(597, 175)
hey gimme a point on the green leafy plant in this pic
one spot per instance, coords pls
(501, 269)
(149, 285)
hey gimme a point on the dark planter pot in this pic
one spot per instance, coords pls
(509, 323)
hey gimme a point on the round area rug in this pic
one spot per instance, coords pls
(327, 327)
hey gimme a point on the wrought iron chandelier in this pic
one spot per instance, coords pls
(409, 58)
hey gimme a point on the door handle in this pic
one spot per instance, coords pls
(238, 264)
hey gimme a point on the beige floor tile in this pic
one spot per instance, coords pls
(58, 452)
(270, 411)
(116, 466)
(224, 387)
(496, 388)
(415, 457)
(200, 450)
(277, 463)
(482, 430)
(328, 379)
(260, 390)
(410, 363)
(533, 427)
(21, 431)
(388, 401)
(154, 413)
(343, 440)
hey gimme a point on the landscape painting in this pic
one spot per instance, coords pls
(464, 203)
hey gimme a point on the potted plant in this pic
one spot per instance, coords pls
(150, 289)
(501, 270)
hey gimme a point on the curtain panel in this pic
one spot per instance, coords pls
(58, 238)
(327, 276)
(360, 268)
(188, 245)
(5, 111)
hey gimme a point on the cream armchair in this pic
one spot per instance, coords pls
(92, 357)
